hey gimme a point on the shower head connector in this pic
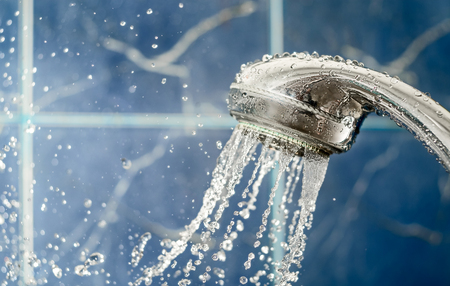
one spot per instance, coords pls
(292, 101)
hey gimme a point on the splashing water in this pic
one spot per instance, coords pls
(94, 259)
(138, 250)
(57, 271)
(235, 156)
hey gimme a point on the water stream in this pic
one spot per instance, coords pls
(297, 215)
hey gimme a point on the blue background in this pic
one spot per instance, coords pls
(382, 215)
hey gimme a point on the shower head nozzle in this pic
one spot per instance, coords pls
(289, 99)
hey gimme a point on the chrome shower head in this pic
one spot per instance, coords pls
(315, 111)
(320, 102)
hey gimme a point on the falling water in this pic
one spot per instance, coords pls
(94, 259)
(138, 250)
(235, 156)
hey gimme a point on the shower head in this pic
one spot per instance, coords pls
(316, 110)
(319, 103)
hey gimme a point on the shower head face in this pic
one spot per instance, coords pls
(312, 107)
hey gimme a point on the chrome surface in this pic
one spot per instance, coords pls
(323, 100)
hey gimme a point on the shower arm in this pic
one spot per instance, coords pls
(320, 102)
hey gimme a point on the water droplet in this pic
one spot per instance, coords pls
(247, 264)
(439, 114)
(81, 270)
(123, 23)
(132, 89)
(149, 11)
(227, 245)
(56, 271)
(185, 85)
(265, 249)
(219, 272)
(193, 132)
(102, 223)
(265, 58)
(245, 213)
(30, 128)
(243, 280)
(181, 5)
(219, 145)
(166, 137)
(34, 261)
(87, 203)
(221, 255)
(166, 243)
(126, 164)
(239, 225)
(184, 98)
(183, 282)
(338, 58)
(94, 259)
(154, 46)
(163, 81)
(6, 148)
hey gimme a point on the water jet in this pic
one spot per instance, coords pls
(298, 106)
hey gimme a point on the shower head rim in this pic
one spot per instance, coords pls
(282, 137)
